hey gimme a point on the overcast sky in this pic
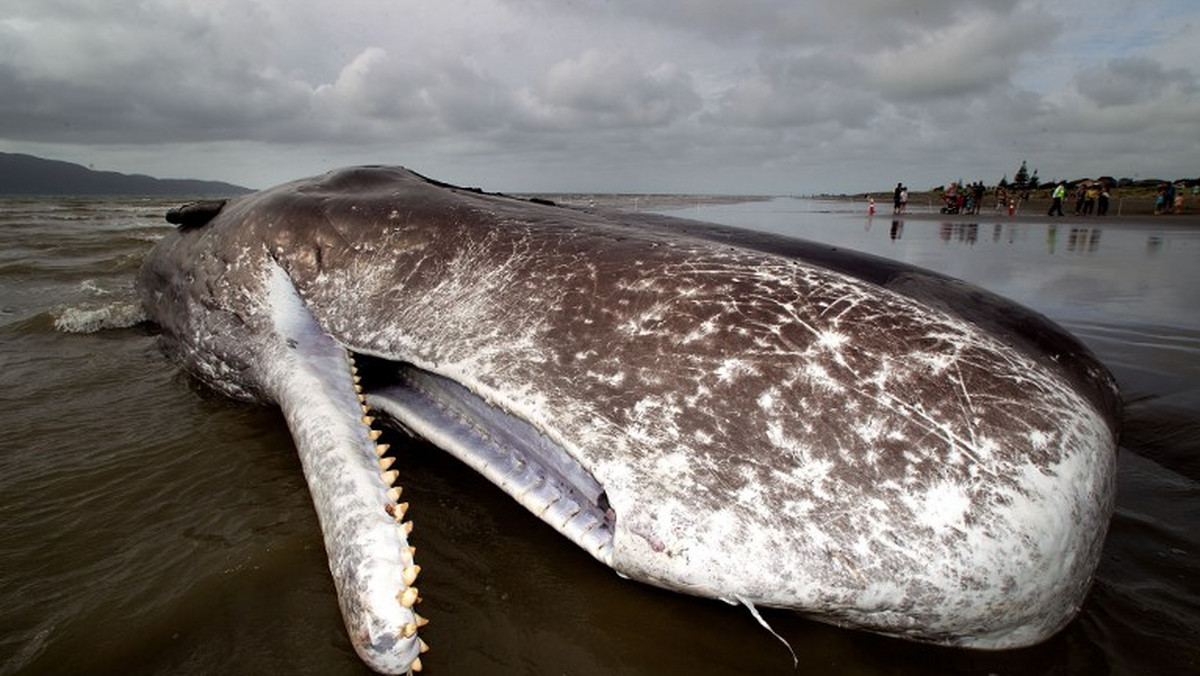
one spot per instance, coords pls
(698, 96)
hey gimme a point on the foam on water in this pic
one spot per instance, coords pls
(90, 318)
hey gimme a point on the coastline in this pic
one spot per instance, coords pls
(1035, 215)
(1139, 212)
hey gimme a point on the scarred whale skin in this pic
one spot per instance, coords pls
(773, 422)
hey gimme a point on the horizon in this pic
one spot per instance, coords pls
(1125, 182)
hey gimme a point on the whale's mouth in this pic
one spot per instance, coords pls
(510, 452)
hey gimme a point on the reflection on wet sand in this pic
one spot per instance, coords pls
(1083, 240)
(967, 233)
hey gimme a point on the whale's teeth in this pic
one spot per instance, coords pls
(385, 463)
(421, 622)
(416, 664)
(380, 449)
(353, 368)
(357, 379)
(374, 434)
(410, 574)
(399, 510)
(407, 526)
(408, 598)
(363, 400)
(422, 646)
(367, 420)
(394, 493)
(390, 476)
(409, 630)
(358, 388)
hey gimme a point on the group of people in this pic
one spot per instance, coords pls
(966, 199)
(1169, 200)
(1091, 197)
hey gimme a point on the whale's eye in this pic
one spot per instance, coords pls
(195, 214)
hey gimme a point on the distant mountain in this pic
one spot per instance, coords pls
(29, 175)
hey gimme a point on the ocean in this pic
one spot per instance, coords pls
(148, 526)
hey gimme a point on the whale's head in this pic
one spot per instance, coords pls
(725, 414)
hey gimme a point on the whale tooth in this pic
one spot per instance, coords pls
(409, 629)
(416, 664)
(400, 510)
(394, 493)
(357, 379)
(363, 400)
(407, 526)
(367, 420)
(374, 434)
(422, 646)
(358, 388)
(408, 598)
(421, 622)
(390, 476)
(380, 449)
(410, 574)
(385, 463)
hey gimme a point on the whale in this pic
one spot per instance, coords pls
(728, 414)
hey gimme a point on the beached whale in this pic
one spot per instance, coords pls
(727, 414)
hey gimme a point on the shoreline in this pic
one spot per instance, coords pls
(1035, 212)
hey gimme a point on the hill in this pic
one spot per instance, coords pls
(29, 175)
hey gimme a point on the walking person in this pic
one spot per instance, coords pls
(1060, 191)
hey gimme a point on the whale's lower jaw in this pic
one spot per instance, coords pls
(314, 381)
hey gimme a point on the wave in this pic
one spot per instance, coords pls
(92, 318)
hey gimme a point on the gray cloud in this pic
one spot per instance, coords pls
(1128, 81)
(710, 94)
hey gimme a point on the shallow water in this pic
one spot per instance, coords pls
(147, 526)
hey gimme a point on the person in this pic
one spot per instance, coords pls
(896, 198)
(1089, 198)
(903, 199)
(1102, 202)
(1080, 191)
(1060, 191)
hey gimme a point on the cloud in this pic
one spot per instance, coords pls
(798, 91)
(972, 53)
(1133, 80)
(601, 89)
(623, 93)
